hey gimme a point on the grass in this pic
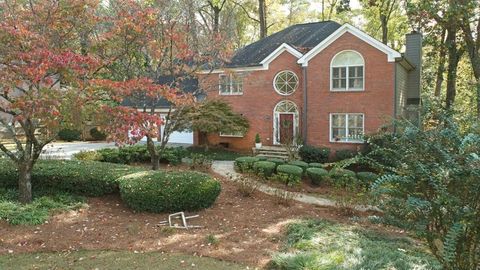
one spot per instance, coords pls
(323, 245)
(44, 204)
(107, 260)
(214, 153)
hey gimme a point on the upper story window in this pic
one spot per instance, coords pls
(346, 127)
(347, 72)
(285, 82)
(231, 84)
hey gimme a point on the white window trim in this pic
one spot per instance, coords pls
(275, 78)
(346, 127)
(230, 84)
(347, 89)
(230, 135)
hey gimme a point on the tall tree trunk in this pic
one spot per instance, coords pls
(453, 58)
(154, 155)
(262, 16)
(441, 65)
(216, 20)
(384, 23)
(25, 181)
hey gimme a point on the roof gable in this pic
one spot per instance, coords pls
(391, 53)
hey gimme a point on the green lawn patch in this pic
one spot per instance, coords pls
(214, 153)
(107, 260)
(323, 245)
(43, 205)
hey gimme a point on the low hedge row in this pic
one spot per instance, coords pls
(264, 168)
(157, 191)
(317, 175)
(245, 164)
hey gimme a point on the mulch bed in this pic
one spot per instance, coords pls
(248, 229)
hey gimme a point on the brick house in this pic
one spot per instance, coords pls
(326, 83)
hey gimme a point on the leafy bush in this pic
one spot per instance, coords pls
(264, 168)
(257, 138)
(88, 156)
(245, 164)
(277, 161)
(97, 135)
(39, 210)
(87, 178)
(343, 178)
(261, 158)
(140, 154)
(69, 135)
(315, 165)
(317, 175)
(311, 154)
(300, 164)
(200, 162)
(158, 191)
(289, 174)
(344, 154)
(431, 185)
(367, 178)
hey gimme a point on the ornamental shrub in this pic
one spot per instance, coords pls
(315, 165)
(344, 154)
(69, 135)
(160, 191)
(300, 164)
(311, 154)
(88, 156)
(264, 168)
(317, 175)
(245, 164)
(343, 178)
(140, 154)
(88, 178)
(367, 178)
(201, 162)
(277, 161)
(289, 174)
(261, 158)
(97, 135)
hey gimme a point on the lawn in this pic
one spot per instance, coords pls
(324, 245)
(112, 260)
(214, 153)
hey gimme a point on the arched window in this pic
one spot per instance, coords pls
(347, 72)
(285, 122)
(285, 82)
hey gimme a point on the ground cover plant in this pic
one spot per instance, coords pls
(320, 244)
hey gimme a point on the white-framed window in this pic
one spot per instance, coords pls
(285, 82)
(230, 84)
(347, 72)
(232, 134)
(347, 127)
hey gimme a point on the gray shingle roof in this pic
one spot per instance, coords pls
(303, 37)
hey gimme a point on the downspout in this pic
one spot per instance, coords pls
(305, 102)
(395, 98)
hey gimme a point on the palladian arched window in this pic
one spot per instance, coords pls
(347, 72)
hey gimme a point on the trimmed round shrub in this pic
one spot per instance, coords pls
(69, 135)
(264, 168)
(277, 161)
(314, 154)
(88, 155)
(317, 175)
(289, 174)
(261, 158)
(315, 165)
(342, 177)
(159, 191)
(245, 164)
(97, 135)
(300, 164)
(367, 178)
(88, 178)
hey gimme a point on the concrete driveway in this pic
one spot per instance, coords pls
(65, 150)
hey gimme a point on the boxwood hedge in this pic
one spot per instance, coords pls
(87, 178)
(290, 174)
(317, 175)
(277, 161)
(300, 164)
(244, 164)
(264, 168)
(315, 165)
(343, 177)
(159, 191)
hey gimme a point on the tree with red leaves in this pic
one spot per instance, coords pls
(40, 64)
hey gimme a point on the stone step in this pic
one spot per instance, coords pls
(272, 156)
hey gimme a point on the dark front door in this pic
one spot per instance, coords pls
(286, 127)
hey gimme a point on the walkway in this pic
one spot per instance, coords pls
(225, 168)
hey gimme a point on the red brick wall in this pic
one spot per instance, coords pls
(259, 97)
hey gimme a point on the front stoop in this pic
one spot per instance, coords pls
(271, 152)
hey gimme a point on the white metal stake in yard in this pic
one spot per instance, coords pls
(179, 215)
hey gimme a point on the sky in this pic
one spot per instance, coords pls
(317, 4)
